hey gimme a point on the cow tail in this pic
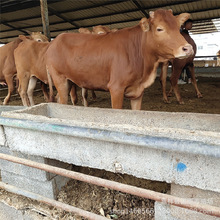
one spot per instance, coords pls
(50, 82)
(15, 78)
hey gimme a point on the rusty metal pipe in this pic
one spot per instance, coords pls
(66, 207)
(144, 193)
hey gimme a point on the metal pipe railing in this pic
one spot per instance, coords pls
(149, 194)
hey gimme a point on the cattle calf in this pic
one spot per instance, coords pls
(30, 64)
(123, 62)
(7, 62)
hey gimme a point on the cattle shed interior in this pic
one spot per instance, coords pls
(20, 16)
(170, 152)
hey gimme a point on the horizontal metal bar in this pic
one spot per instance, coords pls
(57, 204)
(144, 193)
(205, 56)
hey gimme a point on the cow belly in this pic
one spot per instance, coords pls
(93, 84)
(89, 77)
(41, 75)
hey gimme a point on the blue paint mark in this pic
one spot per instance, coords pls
(181, 167)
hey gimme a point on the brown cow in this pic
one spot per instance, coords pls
(7, 63)
(99, 29)
(177, 66)
(30, 64)
(123, 62)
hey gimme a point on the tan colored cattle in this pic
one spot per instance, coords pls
(124, 62)
(30, 64)
(84, 31)
(7, 63)
(99, 29)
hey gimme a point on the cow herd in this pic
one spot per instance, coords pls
(123, 62)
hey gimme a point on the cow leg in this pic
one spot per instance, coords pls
(192, 71)
(117, 97)
(163, 79)
(93, 95)
(73, 93)
(45, 92)
(30, 90)
(62, 86)
(50, 83)
(136, 103)
(170, 93)
(10, 83)
(84, 97)
(22, 89)
(174, 79)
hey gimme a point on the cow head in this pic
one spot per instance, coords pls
(38, 36)
(99, 29)
(163, 34)
(84, 31)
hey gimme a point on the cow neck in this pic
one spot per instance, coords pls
(17, 41)
(133, 39)
(150, 58)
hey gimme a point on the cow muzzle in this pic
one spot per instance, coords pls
(185, 51)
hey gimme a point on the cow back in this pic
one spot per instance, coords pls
(7, 64)
(30, 57)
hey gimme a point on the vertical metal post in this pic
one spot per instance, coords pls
(45, 19)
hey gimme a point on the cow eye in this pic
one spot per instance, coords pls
(159, 29)
(39, 40)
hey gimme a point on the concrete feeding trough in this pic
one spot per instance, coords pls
(179, 148)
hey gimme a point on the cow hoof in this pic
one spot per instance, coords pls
(167, 101)
(181, 102)
(199, 96)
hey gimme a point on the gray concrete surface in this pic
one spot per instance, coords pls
(30, 172)
(7, 108)
(178, 148)
(169, 212)
(162, 212)
(196, 195)
(31, 179)
(8, 212)
(181, 148)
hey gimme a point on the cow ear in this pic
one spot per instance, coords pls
(144, 24)
(22, 37)
(151, 13)
(182, 18)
